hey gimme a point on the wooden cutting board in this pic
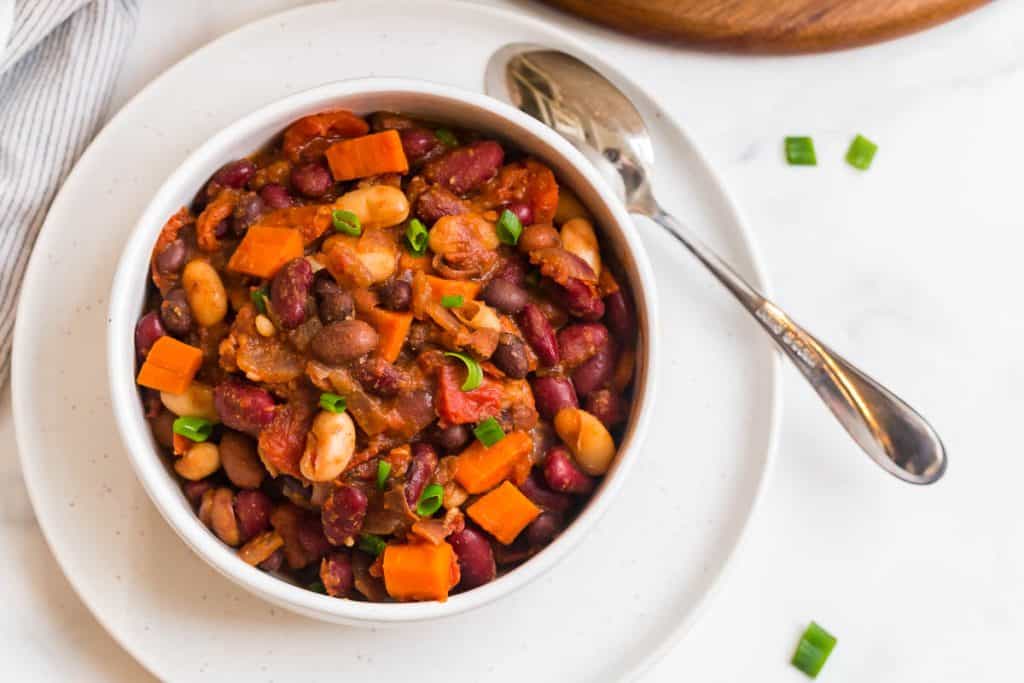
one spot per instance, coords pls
(770, 25)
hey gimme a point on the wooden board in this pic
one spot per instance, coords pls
(770, 25)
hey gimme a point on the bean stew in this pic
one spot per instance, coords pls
(388, 360)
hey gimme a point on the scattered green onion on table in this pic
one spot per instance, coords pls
(813, 650)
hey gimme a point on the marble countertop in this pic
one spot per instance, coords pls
(907, 269)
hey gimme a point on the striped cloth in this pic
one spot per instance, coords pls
(57, 70)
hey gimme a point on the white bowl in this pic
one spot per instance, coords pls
(428, 100)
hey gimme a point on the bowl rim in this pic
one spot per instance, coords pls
(165, 492)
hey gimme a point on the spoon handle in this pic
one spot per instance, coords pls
(890, 431)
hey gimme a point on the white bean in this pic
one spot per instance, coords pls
(196, 401)
(587, 438)
(578, 238)
(205, 292)
(198, 462)
(329, 446)
(378, 206)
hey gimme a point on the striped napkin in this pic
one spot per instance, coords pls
(58, 62)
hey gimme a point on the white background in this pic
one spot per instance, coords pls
(910, 269)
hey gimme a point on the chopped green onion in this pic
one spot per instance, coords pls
(447, 137)
(417, 236)
(346, 222)
(374, 545)
(452, 300)
(383, 472)
(489, 432)
(474, 373)
(815, 646)
(333, 403)
(193, 428)
(861, 153)
(509, 228)
(800, 152)
(259, 299)
(430, 500)
(317, 587)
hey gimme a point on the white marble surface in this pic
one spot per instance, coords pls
(909, 269)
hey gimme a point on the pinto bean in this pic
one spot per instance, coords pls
(581, 301)
(544, 528)
(420, 144)
(344, 341)
(606, 406)
(275, 561)
(289, 290)
(333, 303)
(252, 510)
(379, 377)
(451, 439)
(395, 295)
(275, 196)
(539, 334)
(437, 202)
(596, 372)
(505, 296)
(172, 257)
(205, 292)
(618, 315)
(235, 173)
(198, 462)
(513, 269)
(243, 406)
(421, 471)
(222, 515)
(476, 559)
(510, 356)
(162, 426)
(175, 313)
(247, 211)
(147, 331)
(537, 491)
(259, 549)
(311, 180)
(336, 574)
(551, 393)
(343, 513)
(466, 168)
(536, 237)
(194, 490)
(579, 342)
(561, 473)
(240, 461)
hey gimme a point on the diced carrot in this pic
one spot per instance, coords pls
(367, 156)
(441, 287)
(414, 263)
(503, 512)
(170, 366)
(420, 571)
(480, 468)
(392, 329)
(180, 444)
(312, 220)
(265, 249)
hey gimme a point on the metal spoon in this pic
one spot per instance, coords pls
(592, 113)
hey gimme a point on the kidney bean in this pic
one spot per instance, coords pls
(536, 237)
(579, 342)
(288, 292)
(476, 559)
(312, 538)
(333, 303)
(466, 168)
(221, 230)
(606, 406)
(343, 514)
(274, 562)
(379, 376)
(336, 574)
(247, 211)
(162, 426)
(175, 312)
(172, 258)
(421, 471)
(544, 528)
(395, 295)
(522, 211)
(275, 196)
(450, 439)
(539, 334)
(562, 474)
(436, 202)
(420, 144)
(343, 341)
(596, 372)
(240, 461)
(147, 331)
(311, 180)
(505, 296)
(551, 393)
(243, 406)
(581, 301)
(235, 173)
(194, 490)
(252, 509)
(618, 315)
(510, 356)
(537, 491)
(513, 269)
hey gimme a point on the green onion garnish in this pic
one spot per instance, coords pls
(452, 301)
(800, 152)
(259, 299)
(861, 153)
(474, 373)
(430, 500)
(417, 236)
(332, 403)
(346, 222)
(383, 472)
(317, 587)
(369, 543)
(815, 646)
(489, 432)
(509, 228)
(193, 428)
(447, 137)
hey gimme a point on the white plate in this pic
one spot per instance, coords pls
(606, 612)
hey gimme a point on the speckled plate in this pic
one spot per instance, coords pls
(604, 613)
